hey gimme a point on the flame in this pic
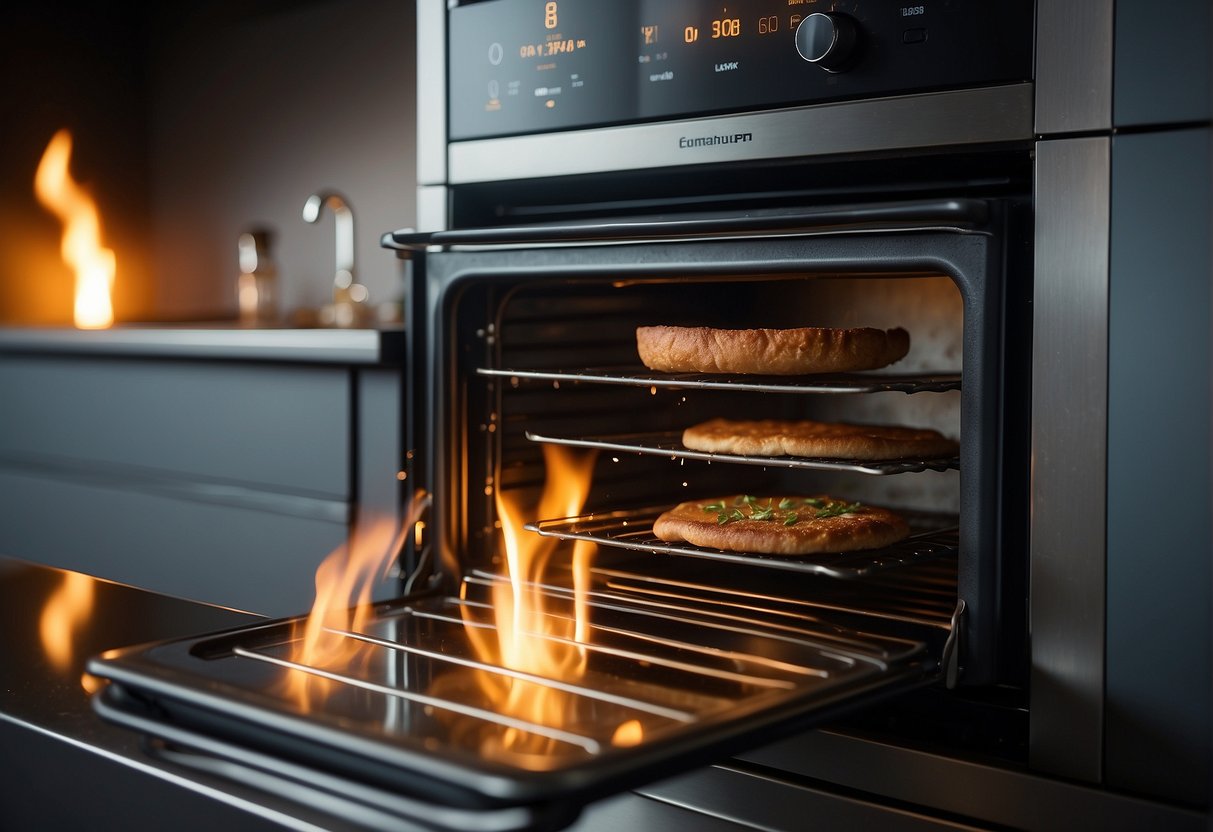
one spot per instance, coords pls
(533, 632)
(64, 616)
(81, 247)
(344, 583)
(628, 733)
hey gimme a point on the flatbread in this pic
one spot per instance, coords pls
(806, 438)
(861, 526)
(679, 349)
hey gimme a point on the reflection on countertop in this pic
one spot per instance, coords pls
(55, 620)
(66, 769)
(214, 340)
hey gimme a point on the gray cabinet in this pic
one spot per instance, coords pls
(219, 481)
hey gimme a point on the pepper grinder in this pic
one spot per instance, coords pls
(255, 289)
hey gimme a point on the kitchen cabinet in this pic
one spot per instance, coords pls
(216, 466)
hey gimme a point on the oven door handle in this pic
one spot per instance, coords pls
(958, 215)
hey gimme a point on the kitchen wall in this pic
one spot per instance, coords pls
(253, 112)
(195, 121)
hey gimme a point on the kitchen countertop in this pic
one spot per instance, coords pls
(213, 341)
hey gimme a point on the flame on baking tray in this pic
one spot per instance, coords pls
(345, 581)
(81, 246)
(64, 617)
(532, 632)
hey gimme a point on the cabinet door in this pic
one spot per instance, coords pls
(278, 427)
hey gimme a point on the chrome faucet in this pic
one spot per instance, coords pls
(347, 295)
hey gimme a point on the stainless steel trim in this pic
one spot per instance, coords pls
(1073, 66)
(1069, 456)
(431, 92)
(961, 117)
(432, 208)
(986, 792)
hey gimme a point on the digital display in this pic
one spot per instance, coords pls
(526, 66)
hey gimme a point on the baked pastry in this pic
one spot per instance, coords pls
(781, 525)
(701, 349)
(831, 440)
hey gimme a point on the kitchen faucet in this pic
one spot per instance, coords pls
(348, 296)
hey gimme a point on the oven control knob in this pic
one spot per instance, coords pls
(828, 39)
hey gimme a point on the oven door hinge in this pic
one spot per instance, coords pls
(950, 661)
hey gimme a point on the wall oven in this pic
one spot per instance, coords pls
(608, 167)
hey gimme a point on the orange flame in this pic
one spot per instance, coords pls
(81, 247)
(344, 583)
(66, 612)
(531, 634)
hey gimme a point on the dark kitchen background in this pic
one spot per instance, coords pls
(193, 122)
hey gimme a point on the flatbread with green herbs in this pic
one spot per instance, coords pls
(787, 525)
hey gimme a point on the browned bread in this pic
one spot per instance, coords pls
(803, 437)
(699, 349)
(781, 525)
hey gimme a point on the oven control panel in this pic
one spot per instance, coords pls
(534, 66)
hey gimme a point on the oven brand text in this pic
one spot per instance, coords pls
(709, 141)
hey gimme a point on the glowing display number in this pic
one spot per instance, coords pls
(726, 28)
(690, 34)
(549, 16)
(767, 25)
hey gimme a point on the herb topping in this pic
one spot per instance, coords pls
(783, 513)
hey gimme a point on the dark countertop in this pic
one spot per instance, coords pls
(61, 764)
(61, 767)
(55, 620)
(214, 341)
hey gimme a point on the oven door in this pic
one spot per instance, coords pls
(483, 702)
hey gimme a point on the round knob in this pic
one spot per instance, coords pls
(828, 40)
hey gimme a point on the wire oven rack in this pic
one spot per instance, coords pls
(669, 444)
(831, 383)
(932, 536)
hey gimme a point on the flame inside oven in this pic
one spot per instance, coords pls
(526, 635)
(345, 581)
(81, 247)
(534, 626)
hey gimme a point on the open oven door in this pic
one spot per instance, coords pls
(413, 727)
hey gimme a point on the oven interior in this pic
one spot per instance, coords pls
(540, 354)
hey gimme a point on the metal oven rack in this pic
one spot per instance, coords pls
(933, 535)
